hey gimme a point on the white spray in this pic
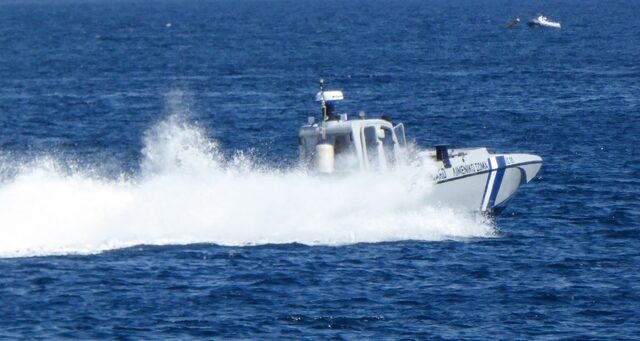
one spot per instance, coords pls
(187, 192)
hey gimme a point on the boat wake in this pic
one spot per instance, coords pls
(187, 192)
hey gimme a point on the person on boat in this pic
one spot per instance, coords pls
(329, 111)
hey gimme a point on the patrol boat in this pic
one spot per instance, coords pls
(471, 179)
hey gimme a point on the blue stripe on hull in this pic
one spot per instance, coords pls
(501, 169)
(486, 186)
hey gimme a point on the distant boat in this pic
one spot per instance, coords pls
(514, 23)
(542, 21)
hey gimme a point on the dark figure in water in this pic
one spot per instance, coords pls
(514, 23)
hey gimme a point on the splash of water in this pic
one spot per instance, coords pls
(188, 192)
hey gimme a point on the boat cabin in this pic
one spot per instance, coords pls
(338, 144)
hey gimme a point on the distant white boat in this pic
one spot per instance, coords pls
(542, 21)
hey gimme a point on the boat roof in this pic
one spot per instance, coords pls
(342, 126)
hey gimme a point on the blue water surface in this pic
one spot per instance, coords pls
(82, 81)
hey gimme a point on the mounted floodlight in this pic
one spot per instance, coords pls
(331, 95)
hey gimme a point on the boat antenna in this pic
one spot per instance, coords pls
(324, 103)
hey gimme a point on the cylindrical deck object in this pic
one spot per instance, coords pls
(325, 158)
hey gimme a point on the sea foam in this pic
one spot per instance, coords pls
(188, 192)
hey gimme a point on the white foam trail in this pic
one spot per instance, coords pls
(187, 192)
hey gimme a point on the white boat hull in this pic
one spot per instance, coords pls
(489, 185)
(542, 21)
(550, 25)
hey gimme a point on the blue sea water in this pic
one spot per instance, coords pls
(148, 187)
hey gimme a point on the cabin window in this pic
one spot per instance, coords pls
(308, 147)
(343, 144)
(371, 145)
(399, 130)
(345, 152)
(389, 146)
